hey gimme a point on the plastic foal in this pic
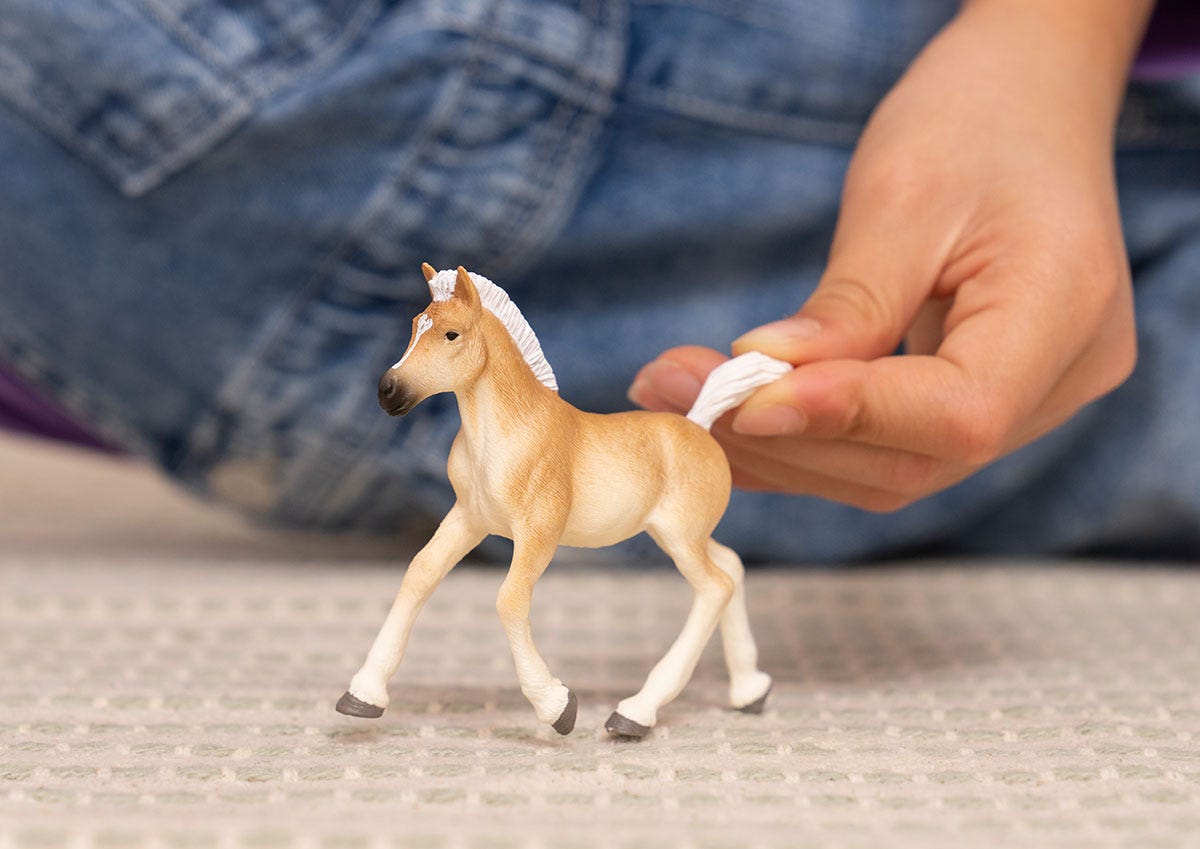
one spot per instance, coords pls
(529, 466)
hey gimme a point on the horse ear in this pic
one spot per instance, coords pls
(464, 289)
(428, 271)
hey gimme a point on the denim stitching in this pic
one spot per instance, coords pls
(193, 44)
(361, 468)
(214, 105)
(527, 48)
(743, 14)
(558, 142)
(358, 443)
(183, 154)
(258, 361)
(773, 125)
(227, 107)
(331, 43)
(381, 198)
(545, 219)
(329, 48)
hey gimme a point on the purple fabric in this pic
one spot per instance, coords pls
(24, 411)
(1171, 48)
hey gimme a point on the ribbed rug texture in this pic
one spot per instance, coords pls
(189, 704)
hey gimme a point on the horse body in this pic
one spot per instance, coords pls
(523, 451)
(635, 471)
(529, 466)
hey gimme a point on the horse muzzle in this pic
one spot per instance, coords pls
(395, 398)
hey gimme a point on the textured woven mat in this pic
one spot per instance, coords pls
(189, 704)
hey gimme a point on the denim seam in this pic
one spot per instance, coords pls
(393, 189)
(380, 198)
(215, 105)
(384, 197)
(473, 28)
(730, 11)
(544, 181)
(231, 110)
(141, 181)
(193, 45)
(774, 125)
(328, 47)
(358, 441)
(520, 235)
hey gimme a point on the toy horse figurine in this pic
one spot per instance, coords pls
(529, 466)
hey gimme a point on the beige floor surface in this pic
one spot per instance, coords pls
(169, 676)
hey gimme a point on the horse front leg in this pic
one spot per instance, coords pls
(552, 701)
(455, 537)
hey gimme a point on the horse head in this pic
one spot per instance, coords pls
(446, 351)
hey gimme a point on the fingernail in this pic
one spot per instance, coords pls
(771, 420)
(646, 398)
(639, 393)
(670, 382)
(787, 330)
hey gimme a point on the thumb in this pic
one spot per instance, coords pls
(880, 271)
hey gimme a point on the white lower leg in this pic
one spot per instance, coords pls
(672, 673)
(547, 694)
(746, 683)
(370, 682)
(454, 537)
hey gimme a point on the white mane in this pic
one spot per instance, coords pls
(496, 301)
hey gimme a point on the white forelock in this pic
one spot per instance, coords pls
(497, 302)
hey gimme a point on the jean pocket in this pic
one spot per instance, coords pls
(142, 88)
(805, 69)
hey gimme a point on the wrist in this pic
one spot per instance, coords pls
(1079, 49)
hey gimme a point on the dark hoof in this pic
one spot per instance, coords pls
(352, 706)
(566, 720)
(626, 728)
(757, 705)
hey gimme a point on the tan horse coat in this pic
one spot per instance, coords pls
(528, 466)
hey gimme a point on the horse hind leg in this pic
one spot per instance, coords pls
(748, 686)
(712, 588)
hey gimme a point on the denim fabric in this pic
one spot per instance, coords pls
(214, 213)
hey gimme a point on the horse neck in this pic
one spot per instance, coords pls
(506, 397)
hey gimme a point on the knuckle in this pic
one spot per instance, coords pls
(855, 422)
(853, 418)
(864, 301)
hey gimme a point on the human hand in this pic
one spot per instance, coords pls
(979, 223)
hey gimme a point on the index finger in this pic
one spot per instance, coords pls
(992, 371)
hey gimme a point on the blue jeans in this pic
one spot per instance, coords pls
(212, 221)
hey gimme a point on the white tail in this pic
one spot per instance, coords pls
(732, 382)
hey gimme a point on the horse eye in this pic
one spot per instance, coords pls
(451, 335)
